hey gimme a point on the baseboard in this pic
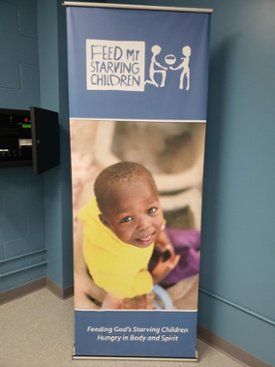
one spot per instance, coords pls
(18, 292)
(225, 346)
(62, 293)
(15, 293)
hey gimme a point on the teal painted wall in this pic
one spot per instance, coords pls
(35, 234)
(237, 299)
(23, 257)
(237, 282)
(57, 182)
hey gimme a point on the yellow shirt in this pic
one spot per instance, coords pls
(117, 267)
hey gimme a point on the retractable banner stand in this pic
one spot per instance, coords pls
(138, 95)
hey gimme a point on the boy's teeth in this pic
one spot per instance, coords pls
(146, 238)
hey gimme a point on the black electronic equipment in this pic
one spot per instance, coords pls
(29, 137)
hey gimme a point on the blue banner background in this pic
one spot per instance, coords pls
(179, 345)
(171, 30)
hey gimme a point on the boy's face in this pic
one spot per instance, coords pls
(134, 213)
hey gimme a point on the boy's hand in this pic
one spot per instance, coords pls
(163, 268)
(82, 288)
(163, 244)
(112, 302)
(85, 291)
(169, 248)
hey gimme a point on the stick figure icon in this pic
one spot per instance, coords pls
(156, 68)
(185, 73)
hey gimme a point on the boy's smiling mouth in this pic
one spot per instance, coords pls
(146, 240)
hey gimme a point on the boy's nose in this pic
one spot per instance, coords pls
(144, 223)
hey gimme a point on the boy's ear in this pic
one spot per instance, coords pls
(103, 220)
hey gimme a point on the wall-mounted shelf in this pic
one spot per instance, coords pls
(29, 138)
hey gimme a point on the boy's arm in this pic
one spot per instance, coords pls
(166, 263)
(163, 268)
(112, 302)
(84, 288)
(163, 243)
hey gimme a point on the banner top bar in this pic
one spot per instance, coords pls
(138, 7)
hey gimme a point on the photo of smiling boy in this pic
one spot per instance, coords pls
(122, 225)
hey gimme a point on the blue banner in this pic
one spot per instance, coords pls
(144, 334)
(153, 63)
(137, 92)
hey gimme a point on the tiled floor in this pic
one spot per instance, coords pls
(37, 331)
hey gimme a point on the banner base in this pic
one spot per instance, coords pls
(78, 357)
(195, 359)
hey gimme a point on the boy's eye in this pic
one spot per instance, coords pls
(126, 219)
(152, 210)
